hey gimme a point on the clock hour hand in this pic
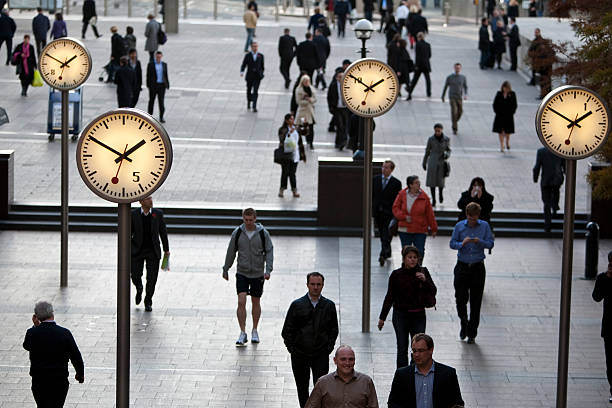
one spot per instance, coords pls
(581, 118)
(132, 150)
(93, 139)
(65, 64)
(572, 123)
(361, 82)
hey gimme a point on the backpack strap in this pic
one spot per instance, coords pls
(262, 236)
(236, 239)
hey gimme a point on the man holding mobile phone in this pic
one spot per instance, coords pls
(470, 237)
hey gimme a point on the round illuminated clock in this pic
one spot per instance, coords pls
(573, 122)
(65, 64)
(369, 87)
(124, 155)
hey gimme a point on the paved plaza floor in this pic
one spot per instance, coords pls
(183, 352)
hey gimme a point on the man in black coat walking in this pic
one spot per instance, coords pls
(603, 291)
(253, 62)
(117, 51)
(286, 51)
(307, 56)
(552, 167)
(148, 226)
(384, 191)
(7, 31)
(89, 12)
(484, 42)
(422, 53)
(40, 28)
(309, 332)
(134, 65)
(514, 42)
(157, 82)
(323, 49)
(338, 109)
(50, 347)
(125, 78)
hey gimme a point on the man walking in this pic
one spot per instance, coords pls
(40, 28)
(323, 49)
(422, 54)
(117, 51)
(552, 167)
(286, 51)
(484, 43)
(7, 31)
(457, 92)
(345, 387)
(250, 23)
(253, 62)
(307, 56)
(514, 41)
(50, 347)
(342, 10)
(125, 78)
(541, 56)
(134, 65)
(603, 291)
(251, 241)
(470, 237)
(384, 191)
(338, 109)
(151, 31)
(157, 82)
(89, 13)
(425, 381)
(310, 332)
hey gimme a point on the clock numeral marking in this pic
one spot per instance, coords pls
(155, 138)
(357, 80)
(136, 175)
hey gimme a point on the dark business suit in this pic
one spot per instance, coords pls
(89, 11)
(286, 52)
(552, 178)
(147, 248)
(382, 203)
(603, 291)
(138, 73)
(307, 57)
(341, 115)
(422, 54)
(40, 28)
(445, 393)
(157, 87)
(254, 74)
(125, 79)
(514, 42)
(50, 347)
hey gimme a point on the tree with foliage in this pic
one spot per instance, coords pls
(590, 65)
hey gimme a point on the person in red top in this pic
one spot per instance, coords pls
(407, 287)
(414, 215)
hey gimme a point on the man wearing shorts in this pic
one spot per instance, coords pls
(254, 247)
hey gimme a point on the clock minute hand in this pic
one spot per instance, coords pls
(130, 151)
(93, 139)
(52, 57)
(361, 82)
(581, 118)
(564, 117)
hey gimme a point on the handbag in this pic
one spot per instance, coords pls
(37, 80)
(447, 168)
(161, 36)
(428, 299)
(393, 227)
(280, 156)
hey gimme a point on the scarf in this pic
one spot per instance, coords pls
(308, 90)
(25, 54)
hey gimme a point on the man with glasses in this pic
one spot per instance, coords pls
(414, 386)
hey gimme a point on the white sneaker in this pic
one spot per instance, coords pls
(242, 339)
(254, 336)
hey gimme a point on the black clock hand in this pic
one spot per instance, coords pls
(52, 57)
(65, 64)
(567, 141)
(361, 82)
(564, 117)
(378, 83)
(93, 139)
(132, 150)
(581, 118)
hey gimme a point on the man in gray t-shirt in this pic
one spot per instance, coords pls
(457, 92)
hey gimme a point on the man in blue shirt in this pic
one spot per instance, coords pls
(470, 237)
(157, 82)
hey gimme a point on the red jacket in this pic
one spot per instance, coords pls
(423, 219)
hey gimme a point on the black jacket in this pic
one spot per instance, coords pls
(138, 73)
(603, 290)
(7, 26)
(382, 200)
(158, 230)
(310, 331)
(323, 49)
(418, 24)
(422, 51)
(514, 39)
(333, 96)
(152, 75)
(307, 56)
(485, 201)
(499, 41)
(50, 347)
(125, 79)
(117, 47)
(286, 46)
(446, 392)
(254, 67)
(552, 168)
(484, 40)
(89, 10)
(40, 26)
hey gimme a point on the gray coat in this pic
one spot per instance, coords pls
(436, 152)
(250, 253)
(151, 30)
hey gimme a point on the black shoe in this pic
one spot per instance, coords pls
(454, 131)
(248, 105)
(531, 83)
(287, 83)
(311, 146)
(148, 308)
(254, 109)
(409, 97)
(610, 400)
(138, 296)
(441, 198)
(162, 120)
(462, 332)
(381, 260)
(433, 202)
(471, 340)
(98, 36)
(331, 129)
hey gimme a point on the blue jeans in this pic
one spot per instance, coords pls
(406, 325)
(418, 240)
(249, 40)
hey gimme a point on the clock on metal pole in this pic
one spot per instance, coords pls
(64, 64)
(124, 156)
(572, 122)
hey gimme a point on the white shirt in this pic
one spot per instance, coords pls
(250, 233)
(402, 12)
(340, 101)
(292, 139)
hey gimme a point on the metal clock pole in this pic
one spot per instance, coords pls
(123, 305)
(566, 282)
(367, 222)
(64, 193)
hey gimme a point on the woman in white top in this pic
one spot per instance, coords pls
(305, 99)
(291, 142)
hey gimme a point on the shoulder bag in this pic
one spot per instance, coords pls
(428, 299)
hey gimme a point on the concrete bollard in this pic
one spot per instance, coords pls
(591, 253)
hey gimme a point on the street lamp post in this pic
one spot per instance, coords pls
(363, 31)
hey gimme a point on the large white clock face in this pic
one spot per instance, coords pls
(573, 122)
(369, 87)
(124, 155)
(65, 64)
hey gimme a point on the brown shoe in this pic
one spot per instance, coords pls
(296, 194)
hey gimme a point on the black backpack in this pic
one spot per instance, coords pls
(262, 236)
(161, 36)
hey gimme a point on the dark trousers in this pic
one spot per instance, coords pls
(513, 58)
(341, 123)
(498, 58)
(25, 83)
(545, 80)
(608, 348)
(285, 65)
(288, 169)
(138, 262)
(310, 135)
(252, 88)
(135, 96)
(383, 19)
(382, 221)
(368, 15)
(152, 55)
(341, 25)
(49, 393)
(158, 90)
(406, 325)
(301, 367)
(484, 57)
(320, 78)
(415, 79)
(9, 47)
(40, 44)
(414, 238)
(93, 27)
(469, 286)
(550, 198)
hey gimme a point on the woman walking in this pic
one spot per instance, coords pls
(291, 142)
(504, 107)
(414, 214)
(476, 193)
(59, 27)
(25, 59)
(436, 153)
(409, 288)
(305, 99)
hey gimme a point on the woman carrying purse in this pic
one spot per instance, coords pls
(291, 142)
